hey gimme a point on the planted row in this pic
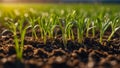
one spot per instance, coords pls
(73, 24)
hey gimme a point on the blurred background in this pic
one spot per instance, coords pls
(60, 1)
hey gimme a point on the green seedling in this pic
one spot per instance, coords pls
(115, 25)
(18, 46)
(32, 24)
(103, 25)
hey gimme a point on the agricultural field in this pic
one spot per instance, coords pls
(59, 36)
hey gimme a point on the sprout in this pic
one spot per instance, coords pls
(93, 29)
(44, 28)
(115, 25)
(81, 26)
(66, 30)
(103, 25)
(52, 25)
(18, 46)
(32, 21)
(88, 23)
(47, 26)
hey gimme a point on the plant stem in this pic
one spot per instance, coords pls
(109, 38)
(64, 40)
(87, 33)
(101, 35)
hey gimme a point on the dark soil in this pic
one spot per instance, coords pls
(90, 54)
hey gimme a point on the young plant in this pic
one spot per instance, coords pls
(103, 25)
(94, 24)
(66, 30)
(52, 24)
(33, 26)
(18, 46)
(45, 28)
(66, 26)
(47, 25)
(89, 25)
(93, 29)
(42, 27)
(115, 25)
(69, 30)
(81, 26)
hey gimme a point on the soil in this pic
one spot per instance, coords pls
(53, 54)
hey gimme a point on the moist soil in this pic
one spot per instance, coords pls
(53, 54)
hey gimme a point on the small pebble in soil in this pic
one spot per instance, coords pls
(4, 60)
(59, 59)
